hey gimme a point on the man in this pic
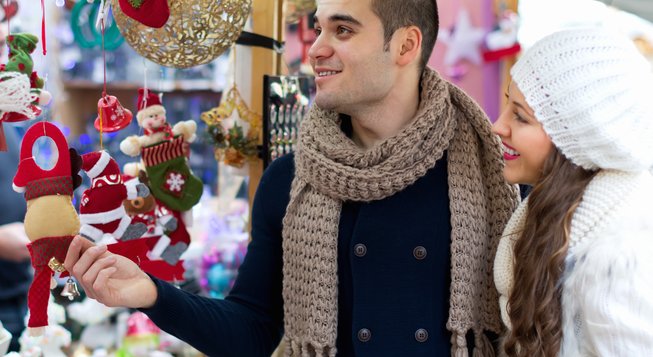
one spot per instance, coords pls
(15, 268)
(376, 238)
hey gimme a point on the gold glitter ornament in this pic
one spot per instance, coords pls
(197, 31)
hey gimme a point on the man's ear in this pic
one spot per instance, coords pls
(409, 40)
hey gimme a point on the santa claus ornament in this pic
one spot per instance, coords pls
(101, 211)
(51, 221)
(164, 152)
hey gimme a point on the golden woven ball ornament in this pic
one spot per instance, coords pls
(197, 31)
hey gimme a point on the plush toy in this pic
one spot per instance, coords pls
(502, 42)
(102, 213)
(146, 210)
(151, 116)
(165, 225)
(164, 152)
(55, 337)
(21, 46)
(15, 99)
(51, 221)
(21, 89)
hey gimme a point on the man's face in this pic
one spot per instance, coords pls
(351, 67)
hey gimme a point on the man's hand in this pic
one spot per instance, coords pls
(13, 242)
(109, 278)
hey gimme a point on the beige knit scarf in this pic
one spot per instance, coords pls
(331, 168)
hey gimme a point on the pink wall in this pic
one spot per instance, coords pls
(481, 82)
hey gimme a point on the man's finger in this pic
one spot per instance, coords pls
(87, 259)
(77, 247)
(91, 275)
(100, 285)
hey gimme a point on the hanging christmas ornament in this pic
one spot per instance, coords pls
(112, 116)
(70, 290)
(51, 221)
(196, 32)
(21, 89)
(101, 211)
(164, 151)
(502, 42)
(234, 129)
(21, 46)
(15, 100)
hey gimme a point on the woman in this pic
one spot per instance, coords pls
(574, 267)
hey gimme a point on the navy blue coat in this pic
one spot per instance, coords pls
(393, 270)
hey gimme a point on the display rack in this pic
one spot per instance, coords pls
(286, 100)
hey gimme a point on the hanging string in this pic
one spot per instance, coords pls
(8, 19)
(144, 74)
(104, 72)
(235, 63)
(160, 80)
(146, 89)
(43, 27)
(145, 93)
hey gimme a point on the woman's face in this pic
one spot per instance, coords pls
(525, 144)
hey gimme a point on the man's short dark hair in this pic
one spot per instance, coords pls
(395, 14)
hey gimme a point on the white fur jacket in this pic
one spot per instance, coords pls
(607, 299)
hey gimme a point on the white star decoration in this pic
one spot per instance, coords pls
(463, 41)
(233, 119)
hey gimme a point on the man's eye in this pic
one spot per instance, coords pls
(343, 30)
(317, 31)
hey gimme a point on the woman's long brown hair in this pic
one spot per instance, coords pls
(534, 304)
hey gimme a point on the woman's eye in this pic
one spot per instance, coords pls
(520, 118)
(317, 31)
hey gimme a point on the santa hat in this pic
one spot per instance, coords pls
(99, 163)
(148, 104)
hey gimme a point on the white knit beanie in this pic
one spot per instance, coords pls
(593, 93)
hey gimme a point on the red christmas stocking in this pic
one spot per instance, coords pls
(151, 13)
